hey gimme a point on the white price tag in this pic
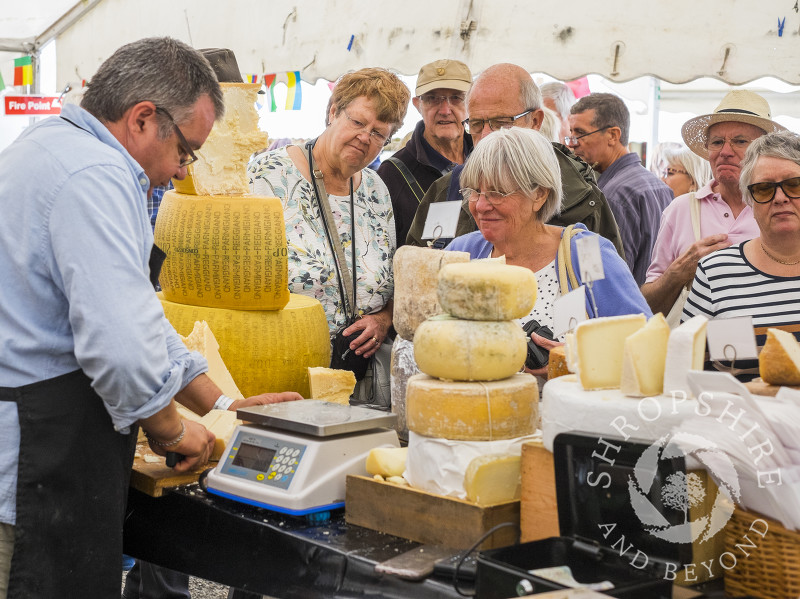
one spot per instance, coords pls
(589, 260)
(442, 220)
(568, 311)
(731, 339)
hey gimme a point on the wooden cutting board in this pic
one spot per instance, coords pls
(154, 477)
(759, 387)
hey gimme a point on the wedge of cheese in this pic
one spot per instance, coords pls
(220, 422)
(643, 358)
(487, 290)
(331, 385)
(469, 350)
(599, 345)
(493, 479)
(202, 340)
(387, 461)
(686, 351)
(557, 363)
(779, 360)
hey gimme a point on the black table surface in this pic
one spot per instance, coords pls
(264, 552)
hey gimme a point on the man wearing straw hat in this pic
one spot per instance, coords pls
(721, 138)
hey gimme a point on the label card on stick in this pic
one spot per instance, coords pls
(568, 311)
(589, 260)
(442, 220)
(731, 339)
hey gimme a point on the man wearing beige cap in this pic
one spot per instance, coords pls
(438, 143)
(698, 223)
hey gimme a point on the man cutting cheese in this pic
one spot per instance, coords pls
(86, 352)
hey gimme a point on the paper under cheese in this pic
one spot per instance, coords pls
(416, 272)
(487, 291)
(202, 340)
(493, 479)
(469, 350)
(685, 351)
(387, 461)
(220, 422)
(779, 360)
(599, 344)
(644, 357)
(331, 385)
(222, 165)
(473, 411)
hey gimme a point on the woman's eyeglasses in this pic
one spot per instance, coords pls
(495, 198)
(763, 193)
(374, 136)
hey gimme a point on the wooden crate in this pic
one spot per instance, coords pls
(425, 517)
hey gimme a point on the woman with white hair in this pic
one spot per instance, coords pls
(685, 171)
(512, 182)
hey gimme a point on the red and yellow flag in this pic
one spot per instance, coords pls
(23, 71)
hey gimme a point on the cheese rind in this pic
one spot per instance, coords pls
(387, 461)
(493, 479)
(202, 340)
(416, 272)
(476, 411)
(469, 350)
(779, 360)
(644, 358)
(332, 385)
(685, 352)
(487, 291)
(599, 344)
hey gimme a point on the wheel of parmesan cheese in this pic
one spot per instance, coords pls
(469, 350)
(223, 252)
(487, 290)
(264, 350)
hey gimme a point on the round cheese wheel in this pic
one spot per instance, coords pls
(264, 350)
(469, 350)
(483, 290)
(223, 252)
(479, 411)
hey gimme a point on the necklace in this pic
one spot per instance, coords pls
(778, 260)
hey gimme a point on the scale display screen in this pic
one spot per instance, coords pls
(253, 457)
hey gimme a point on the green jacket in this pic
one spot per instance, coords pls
(582, 202)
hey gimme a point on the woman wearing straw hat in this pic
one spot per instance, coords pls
(720, 217)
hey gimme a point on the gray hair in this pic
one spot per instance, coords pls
(516, 159)
(551, 125)
(162, 70)
(561, 95)
(609, 111)
(781, 144)
(698, 168)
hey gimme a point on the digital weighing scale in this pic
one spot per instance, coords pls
(293, 457)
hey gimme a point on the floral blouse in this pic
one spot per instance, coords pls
(312, 270)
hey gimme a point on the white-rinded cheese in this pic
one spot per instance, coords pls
(402, 368)
(476, 411)
(469, 350)
(331, 385)
(265, 350)
(598, 346)
(493, 479)
(570, 352)
(415, 272)
(643, 359)
(487, 291)
(387, 461)
(779, 360)
(220, 422)
(202, 340)
(685, 351)
(222, 165)
(223, 252)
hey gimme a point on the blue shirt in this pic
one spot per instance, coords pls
(75, 241)
(637, 198)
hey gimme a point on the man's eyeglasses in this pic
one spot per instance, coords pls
(374, 136)
(475, 126)
(495, 198)
(571, 140)
(739, 144)
(671, 172)
(187, 149)
(763, 193)
(437, 100)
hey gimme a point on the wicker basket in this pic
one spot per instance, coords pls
(772, 569)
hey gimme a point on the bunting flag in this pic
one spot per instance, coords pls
(252, 78)
(269, 82)
(23, 71)
(294, 98)
(2, 83)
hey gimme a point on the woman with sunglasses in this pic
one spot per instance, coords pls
(760, 277)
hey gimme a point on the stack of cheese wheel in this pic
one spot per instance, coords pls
(227, 262)
(471, 392)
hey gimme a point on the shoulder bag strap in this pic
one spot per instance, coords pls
(566, 273)
(694, 208)
(411, 180)
(344, 277)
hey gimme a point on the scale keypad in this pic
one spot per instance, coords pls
(264, 459)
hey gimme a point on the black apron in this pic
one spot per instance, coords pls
(72, 486)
